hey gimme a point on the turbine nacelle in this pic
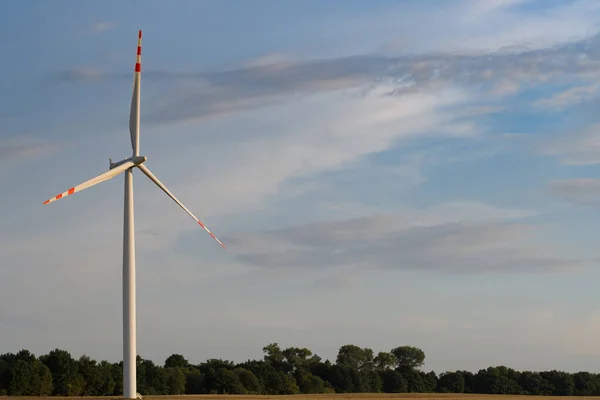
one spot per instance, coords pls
(136, 160)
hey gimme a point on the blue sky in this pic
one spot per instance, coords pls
(383, 173)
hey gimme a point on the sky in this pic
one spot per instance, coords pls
(383, 173)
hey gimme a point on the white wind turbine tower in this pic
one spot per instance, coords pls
(127, 165)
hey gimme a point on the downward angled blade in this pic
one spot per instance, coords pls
(158, 183)
(94, 181)
(134, 113)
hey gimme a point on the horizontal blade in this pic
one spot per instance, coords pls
(94, 181)
(158, 183)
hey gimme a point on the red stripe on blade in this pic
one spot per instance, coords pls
(140, 34)
(138, 67)
(47, 201)
(139, 50)
(58, 196)
(71, 191)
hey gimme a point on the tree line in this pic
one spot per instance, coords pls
(281, 371)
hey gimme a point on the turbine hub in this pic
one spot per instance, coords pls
(136, 160)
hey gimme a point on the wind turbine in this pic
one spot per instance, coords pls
(127, 165)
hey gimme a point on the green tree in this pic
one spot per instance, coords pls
(586, 384)
(341, 378)
(451, 382)
(496, 380)
(274, 356)
(249, 380)
(506, 385)
(280, 383)
(296, 357)
(216, 364)
(393, 381)
(176, 361)
(5, 376)
(26, 356)
(414, 380)
(157, 379)
(408, 357)
(228, 382)
(91, 375)
(107, 382)
(22, 377)
(64, 371)
(194, 382)
(469, 381)
(263, 371)
(116, 372)
(42, 379)
(430, 381)
(372, 381)
(533, 384)
(281, 372)
(175, 380)
(307, 382)
(144, 386)
(355, 357)
(76, 386)
(563, 382)
(384, 360)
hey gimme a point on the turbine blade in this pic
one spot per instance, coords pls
(158, 183)
(134, 113)
(94, 181)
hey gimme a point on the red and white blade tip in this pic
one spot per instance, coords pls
(210, 233)
(138, 61)
(60, 196)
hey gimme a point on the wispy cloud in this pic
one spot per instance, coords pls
(80, 74)
(12, 148)
(584, 191)
(334, 137)
(482, 26)
(568, 97)
(198, 95)
(575, 148)
(506, 87)
(451, 238)
(481, 7)
(102, 26)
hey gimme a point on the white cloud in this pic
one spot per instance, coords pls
(102, 26)
(241, 171)
(481, 26)
(575, 148)
(482, 7)
(25, 146)
(584, 191)
(464, 237)
(581, 337)
(16, 151)
(567, 98)
(499, 26)
(505, 87)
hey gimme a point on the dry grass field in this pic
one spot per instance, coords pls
(366, 396)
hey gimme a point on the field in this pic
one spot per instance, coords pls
(367, 396)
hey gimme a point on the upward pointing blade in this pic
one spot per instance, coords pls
(134, 113)
(158, 183)
(94, 181)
